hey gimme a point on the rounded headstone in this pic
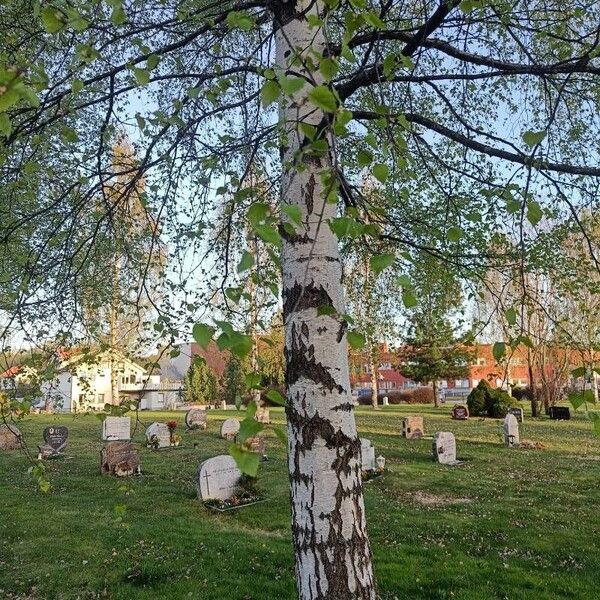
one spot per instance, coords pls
(511, 431)
(218, 478)
(444, 447)
(120, 459)
(230, 428)
(196, 418)
(162, 433)
(460, 412)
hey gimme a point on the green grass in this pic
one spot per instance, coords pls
(529, 530)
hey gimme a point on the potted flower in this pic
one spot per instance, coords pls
(172, 425)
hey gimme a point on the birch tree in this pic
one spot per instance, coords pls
(474, 117)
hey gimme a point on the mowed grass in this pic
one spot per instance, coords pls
(507, 524)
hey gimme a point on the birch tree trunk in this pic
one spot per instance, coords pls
(333, 557)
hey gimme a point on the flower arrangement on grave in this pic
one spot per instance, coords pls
(172, 425)
(247, 494)
(370, 474)
(154, 442)
(175, 440)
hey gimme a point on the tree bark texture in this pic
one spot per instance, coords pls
(333, 557)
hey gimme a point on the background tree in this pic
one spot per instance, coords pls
(232, 381)
(200, 384)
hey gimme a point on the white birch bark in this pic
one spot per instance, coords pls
(333, 558)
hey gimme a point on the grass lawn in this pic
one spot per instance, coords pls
(508, 524)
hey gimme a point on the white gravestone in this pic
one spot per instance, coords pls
(218, 478)
(511, 431)
(162, 433)
(367, 453)
(444, 448)
(196, 418)
(116, 428)
(230, 428)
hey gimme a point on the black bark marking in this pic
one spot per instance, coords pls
(309, 194)
(294, 238)
(298, 298)
(342, 331)
(300, 362)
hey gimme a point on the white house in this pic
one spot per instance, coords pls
(83, 383)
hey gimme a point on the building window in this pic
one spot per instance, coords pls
(100, 398)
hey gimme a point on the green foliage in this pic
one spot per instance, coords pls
(485, 401)
(200, 383)
(232, 380)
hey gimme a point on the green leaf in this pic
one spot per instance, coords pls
(498, 351)
(202, 334)
(68, 135)
(118, 16)
(5, 125)
(533, 138)
(248, 428)
(578, 372)
(381, 172)
(454, 234)
(268, 234)
(291, 85)
(326, 309)
(76, 86)
(595, 419)
(280, 433)
(328, 68)
(356, 340)
(511, 316)
(578, 398)
(52, 19)
(246, 262)
(142, 76)
(269, 92)
(322, 97)
(257, 213)
(275, 397)
(253, 381)
(534, 212)
(246, 461)
(240, 20)
(364, 158)
(293, 212)
(408, 298)
(379, 262)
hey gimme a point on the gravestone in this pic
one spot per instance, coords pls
(162, 433)
(444, 448)
(218, 478)
(367, 455)
(460, 412)
(55, 439)
(10, 437)
(262, 415)
(257, 444)
(229, 429)
(412, 428)
(386, 401)
(511, 431)
(223, 405)
(559, 413)
(116, 429)
(196, 418)
(120, 459)
(517, 411)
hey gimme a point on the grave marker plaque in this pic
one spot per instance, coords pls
(460, 412)
(367, 455)
(229, 429)
(161, 434)
(120, 459)
(262, 415)
(511, 431)
(55, 439)
(444, 448)
(116, 429)
(412, 428)
(196, 418)
(218, 478)
(559, 413)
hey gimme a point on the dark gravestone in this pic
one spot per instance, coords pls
(560, 413)
(120, 459)
(55, 439)
(460, 412)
